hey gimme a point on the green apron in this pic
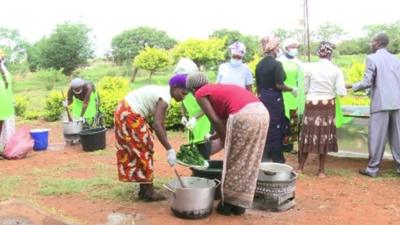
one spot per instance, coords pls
(294, 78)
(91, 110)
(6, 98)
(203, 125)
(340, 119)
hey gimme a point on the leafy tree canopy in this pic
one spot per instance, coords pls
(127, 45)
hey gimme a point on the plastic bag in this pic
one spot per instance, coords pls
(7, 131)
(19, 145)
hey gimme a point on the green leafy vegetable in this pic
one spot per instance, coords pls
(189, 154)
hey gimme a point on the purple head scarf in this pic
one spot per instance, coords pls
(178, 80)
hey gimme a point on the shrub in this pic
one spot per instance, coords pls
(151, 59)
(174, 115)
(50, 77)
(253, 64)
(32, 115)
(21, 104)
(111, 91)
(53, 106)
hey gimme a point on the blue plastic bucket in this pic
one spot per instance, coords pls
(41, 139)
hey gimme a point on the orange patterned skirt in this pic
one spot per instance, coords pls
(134, 144)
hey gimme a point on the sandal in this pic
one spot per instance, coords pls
(153, 197)
(237, 210)
(224, 208)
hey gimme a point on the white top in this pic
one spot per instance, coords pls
(144, 99)
(323, 80)
(237, 75)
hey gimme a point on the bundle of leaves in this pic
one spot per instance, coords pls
(190, 155)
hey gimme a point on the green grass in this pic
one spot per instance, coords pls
(55, 186)
(8, 186)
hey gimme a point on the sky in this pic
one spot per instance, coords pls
(182, 19)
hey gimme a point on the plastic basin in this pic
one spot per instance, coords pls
(93, 139)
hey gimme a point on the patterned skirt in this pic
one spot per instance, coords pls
(318, 132)
(246, 133)
(134, 145)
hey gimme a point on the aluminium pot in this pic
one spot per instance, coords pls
(72, 127)
(195, 200)
(270, 171)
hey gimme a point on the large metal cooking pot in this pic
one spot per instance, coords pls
(72, 127)
(270, 171)
(195, 200)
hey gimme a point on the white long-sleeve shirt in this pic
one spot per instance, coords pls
(323, 80)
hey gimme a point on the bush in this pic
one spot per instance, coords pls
(53, 106)
(111, 91)
(32, 115)
(21, 104)
(174, 115)
(50, 77)
(151, 59)
(355, 72)
(355, 100)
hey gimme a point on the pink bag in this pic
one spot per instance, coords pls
(19, 145)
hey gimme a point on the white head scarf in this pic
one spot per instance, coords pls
(186, 65)
(290, 41)
(77, 82)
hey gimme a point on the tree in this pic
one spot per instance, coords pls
(329, 32)
(67, 47)
(392, 30)
(353, 46)
(151, 59)
(12, 43)
(282, 34)
(230, 36)
(127, 45)
(208, 52)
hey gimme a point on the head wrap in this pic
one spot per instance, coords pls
(269, 43)
(290, 41)
(196, 80)
(178, 80)
(325, 49)
(77, 82)
(237, 48)
(186, 65)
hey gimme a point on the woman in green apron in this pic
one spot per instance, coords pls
(6, 96)
(83, 97)
(199, 126)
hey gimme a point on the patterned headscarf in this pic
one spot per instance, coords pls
(269, 43)
(196, 80)
(178, 80)
(325, 49)
(237, 48)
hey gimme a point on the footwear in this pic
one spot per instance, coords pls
(141, 192)
(237, 210)
(224, 208)
(153, 197)
(148, 194)
(366, 173)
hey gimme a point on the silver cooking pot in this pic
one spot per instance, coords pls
(270, 171)
(193, 201)
(72, 127)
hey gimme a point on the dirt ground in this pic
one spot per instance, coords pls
(344, 197)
